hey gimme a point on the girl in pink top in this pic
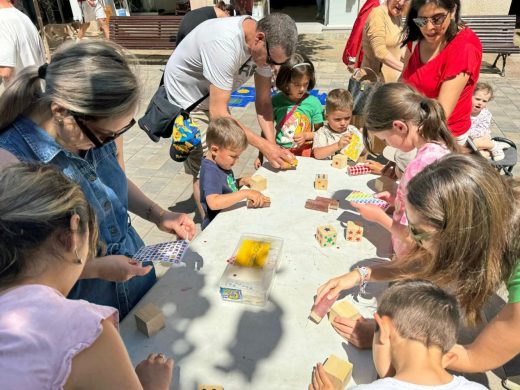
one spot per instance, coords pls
(406, 120)
(47, 234)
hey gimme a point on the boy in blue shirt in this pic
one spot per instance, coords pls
(218, 187)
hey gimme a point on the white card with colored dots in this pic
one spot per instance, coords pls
(361, 197)
(170, 252)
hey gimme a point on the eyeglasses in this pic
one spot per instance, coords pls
(106, 138)
(436, 20)
(269, 60)
(418, 237)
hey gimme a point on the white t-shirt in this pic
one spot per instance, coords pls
(20, 43)
(458, 383)
(215, 52)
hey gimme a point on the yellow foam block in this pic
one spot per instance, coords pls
(339, 371)
(252, 253)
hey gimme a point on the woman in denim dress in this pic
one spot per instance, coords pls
(70, 113)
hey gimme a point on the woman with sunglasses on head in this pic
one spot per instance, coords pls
(444, 59)
(68, 114)
(465, 220)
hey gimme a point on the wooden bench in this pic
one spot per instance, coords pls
(145, 32)
(496, 34)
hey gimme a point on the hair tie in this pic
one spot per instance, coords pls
(42, 71)
(301, 64)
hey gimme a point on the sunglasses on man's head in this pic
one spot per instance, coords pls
(436, 20)
(105, 138)
(269, 60)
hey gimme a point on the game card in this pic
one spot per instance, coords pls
(361, 197)
(170, 252)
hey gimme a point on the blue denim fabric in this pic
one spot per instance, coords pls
(106, 188)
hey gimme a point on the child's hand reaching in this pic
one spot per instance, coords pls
(256, 198)
(259, 160)
(320, 379)
(245, 181)
(344, 140)
(303, 137)
(370, 212)
(376, 168)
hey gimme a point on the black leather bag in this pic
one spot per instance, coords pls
(360, 85)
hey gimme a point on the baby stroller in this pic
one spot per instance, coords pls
(510, 159)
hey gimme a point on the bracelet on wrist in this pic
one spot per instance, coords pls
(365, 274)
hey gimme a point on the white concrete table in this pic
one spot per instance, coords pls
(272, 347)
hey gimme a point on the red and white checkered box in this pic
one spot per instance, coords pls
(359, 169)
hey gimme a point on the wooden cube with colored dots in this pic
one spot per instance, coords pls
(339, 161)
(210, 387)
(326, 235)
(353, 232)
(321, 182)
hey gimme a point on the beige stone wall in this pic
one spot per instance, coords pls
(485, 7)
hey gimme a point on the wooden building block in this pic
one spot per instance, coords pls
(320, 309)
(267, 202)
(326, 235)
(353, 232)
(343, 309)
(384, 183)
(333, 203)
(149, 319)
(338, 370)
(210, 387)
(258, 183)
(321, 182)
(359, 169)
(289, 165)
(339, 161)
(317, 205)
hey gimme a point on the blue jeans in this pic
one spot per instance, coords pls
(121, 295)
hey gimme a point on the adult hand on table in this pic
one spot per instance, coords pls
(155, 373)
(320, 379)
(358, 332)
(115, 268)
(178, 223)
(276, 155)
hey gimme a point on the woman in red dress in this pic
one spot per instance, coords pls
(445, 58)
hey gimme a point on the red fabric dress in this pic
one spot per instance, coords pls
(353, 46)
(462, 54)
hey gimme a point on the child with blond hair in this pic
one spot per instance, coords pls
(218, 187)
(332, 138)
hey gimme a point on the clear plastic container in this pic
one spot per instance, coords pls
(249, 275)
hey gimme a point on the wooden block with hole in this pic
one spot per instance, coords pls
(353, 232)
(326, 235)
(384, 183)
(258, 183)
(343, 309)
(210, 387)
(149, 319)
(289, 165)
(339, 161)
(321, 182)
(338, 370)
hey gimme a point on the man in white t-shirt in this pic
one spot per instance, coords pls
(93, 10)
(20, 43)
(219, 56)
